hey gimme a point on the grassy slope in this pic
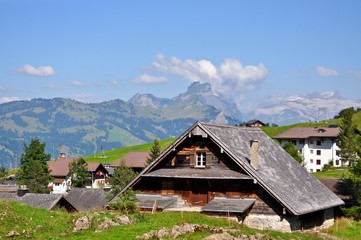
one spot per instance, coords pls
(331, 173)
(43, 224)
(273, 131)
(115, 154)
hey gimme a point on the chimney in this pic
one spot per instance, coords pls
(254, 154)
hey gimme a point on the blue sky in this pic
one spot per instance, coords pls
(96, 51)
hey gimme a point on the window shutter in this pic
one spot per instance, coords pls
(209, 157)
(192, 159)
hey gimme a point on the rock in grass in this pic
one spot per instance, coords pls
(81, 223)
(12, 234)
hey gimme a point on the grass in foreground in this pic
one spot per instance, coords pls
(345, 229)
(42, 224)
(113, 155)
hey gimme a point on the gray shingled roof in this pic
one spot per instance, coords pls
(84, 199)
(234, 205)
(46, 201)
(197, 173)
(278, 173)
(147, 201)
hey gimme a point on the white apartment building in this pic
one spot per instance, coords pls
(316, 145)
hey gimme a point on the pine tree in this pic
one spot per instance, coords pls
(348, 139)
(121, 177)
(78, 172)
(34, 171)
(154, 152)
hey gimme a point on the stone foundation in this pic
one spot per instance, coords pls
(285, 223)
(272, 222)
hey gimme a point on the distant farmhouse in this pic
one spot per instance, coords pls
(97, 174)
(316, 145)
(255, 123)
(239, 171)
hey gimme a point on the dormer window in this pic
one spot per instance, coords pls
(201, 160)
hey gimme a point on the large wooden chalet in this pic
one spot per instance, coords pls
(234, 170)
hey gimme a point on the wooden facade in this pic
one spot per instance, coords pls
(228, 169)
(208, 184)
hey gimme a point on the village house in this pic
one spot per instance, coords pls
(224, 170)
(316, 145)
(97, 174)
(134, 160)
(254, 123)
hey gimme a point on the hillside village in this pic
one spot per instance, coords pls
(235, 172)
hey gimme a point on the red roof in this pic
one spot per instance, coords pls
(60, 167)
(132, 159)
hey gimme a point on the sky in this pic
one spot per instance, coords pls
(95, 51)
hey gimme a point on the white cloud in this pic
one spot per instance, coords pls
(231, 78)
(43, 71)
(148, 79)
(2, 89)
(77, 84)
(326, 72)
(8, 99)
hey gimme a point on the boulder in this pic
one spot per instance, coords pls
(107, 223)
(12, 234)
(123, 219)
(81, 223)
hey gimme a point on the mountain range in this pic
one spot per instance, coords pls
(75, 128)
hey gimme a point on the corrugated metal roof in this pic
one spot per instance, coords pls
(234, 205)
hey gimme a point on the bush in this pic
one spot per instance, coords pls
(353, 212)
(126, 203)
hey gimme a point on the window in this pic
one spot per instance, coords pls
(311, 141)
(318, 162)
(311, 170)
(201, 159)
(311, 151)
(301, 141)
(311, 160)
(318, 152)
(318, 143)
(337, 162)
(293, 142)
(318, 170)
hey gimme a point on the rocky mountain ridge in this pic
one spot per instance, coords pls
(77, 128)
